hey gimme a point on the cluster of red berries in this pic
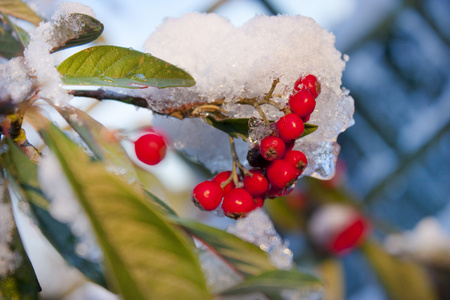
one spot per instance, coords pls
(151, 147)
(276, 167)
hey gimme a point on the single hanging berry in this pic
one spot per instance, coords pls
(207, 195)
(150, 148)
(308, 83)
(281, 174)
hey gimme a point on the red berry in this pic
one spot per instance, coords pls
(150, 148)
(238, 203)
(302, 103)
(207, 195)
(338, 228)
(256, 185)
(223, 176)
(297, 159)
(259, 202)
(272, 148)
(308, 83)
(281, 174)
(290, 127)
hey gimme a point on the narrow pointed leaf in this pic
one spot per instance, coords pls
(19, 9)
(245, 257)
(276, 281)
(147, 258)
(102, 142)
(238, 128)
(121, 67)
(76, 30)
(24, 173)
(22, 35)
(9, 46)
(401, 279)
(17, 277)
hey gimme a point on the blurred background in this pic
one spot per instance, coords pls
(394, 162)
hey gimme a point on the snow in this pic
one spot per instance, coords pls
(427, 242)
(241, 62)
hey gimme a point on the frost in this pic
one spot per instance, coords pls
(230, 63)
(66, 8)
(15, 82)
(64, 206)
(427, 242)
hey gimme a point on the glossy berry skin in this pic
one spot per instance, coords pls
(281, 174)
(272, 148)
(302, 103)
(297, 159)
(308, 83)
(150, 148)
(256, 185)
(259, 201)
(223, 176)
(207, 195)
(290, 127)
(238, 203)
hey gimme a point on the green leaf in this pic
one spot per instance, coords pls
(9, 46)
(331, 273)
(121, 67)
(147, 258)
(238, 128)
(402, 279)
(18, 9)
(245, 257)
(22, 35)
(309, 128)
(19, 282)
(24, 174)
(102, 142)
(273, 282)
(76, 30)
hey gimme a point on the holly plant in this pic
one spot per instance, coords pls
(148, 251)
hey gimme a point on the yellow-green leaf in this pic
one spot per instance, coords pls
(121, 67)
(146, 256)
(401, 279)
(18, 9)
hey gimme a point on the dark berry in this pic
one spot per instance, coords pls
(308, 83)
(150, 148)
(290, 127)
(272, 148)
(238, 203)
(255, 158)
(256, 183)
(281, 174)
(302, 103)
(207, 195)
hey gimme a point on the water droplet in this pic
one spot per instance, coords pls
(139, 77)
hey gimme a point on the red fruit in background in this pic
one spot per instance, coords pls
(238, 203)
(150, 148)
(223, 176)
(256, 185)
(272, 148)
(207, 195)
(302, 103)
(297, 159)
(338, 228)
(308, 83)
(296, 200)
(290, 127)
(281, 174)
